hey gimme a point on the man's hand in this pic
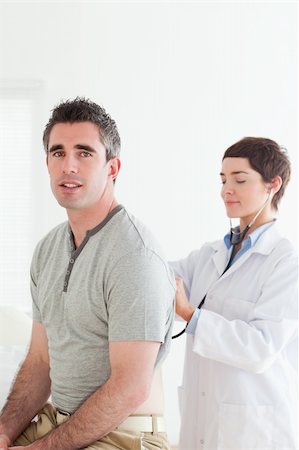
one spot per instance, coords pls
(182, 305)
(18, 448)
(34, 446)
(4, 442)
(30, 390)
(23, 447)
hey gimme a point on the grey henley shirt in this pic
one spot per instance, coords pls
(115, 287)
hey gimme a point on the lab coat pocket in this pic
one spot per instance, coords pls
(245, 427)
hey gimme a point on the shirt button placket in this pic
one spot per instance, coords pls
(68, 273)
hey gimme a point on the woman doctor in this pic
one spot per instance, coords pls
(239, 383)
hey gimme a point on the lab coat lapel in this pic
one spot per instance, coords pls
(264, 245)
(220, 257)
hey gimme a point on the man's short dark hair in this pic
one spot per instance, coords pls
(267, 158)
(84, 110)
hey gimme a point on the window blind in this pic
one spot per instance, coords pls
(16, 199)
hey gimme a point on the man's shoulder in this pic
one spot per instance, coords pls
(59, 230)
(53, 237)
(135, 248)
(134, 235)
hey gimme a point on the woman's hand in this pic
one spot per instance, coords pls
(182, 305)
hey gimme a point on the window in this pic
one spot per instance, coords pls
(18, 106)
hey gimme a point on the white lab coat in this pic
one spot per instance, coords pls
(239, 383)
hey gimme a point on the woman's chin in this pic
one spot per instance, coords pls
(231, 215)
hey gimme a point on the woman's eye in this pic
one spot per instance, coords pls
(240, 181)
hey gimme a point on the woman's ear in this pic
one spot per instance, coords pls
(275, 184)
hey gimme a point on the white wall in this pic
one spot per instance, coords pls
(183, 80)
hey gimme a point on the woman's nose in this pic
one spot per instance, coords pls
(227, 189)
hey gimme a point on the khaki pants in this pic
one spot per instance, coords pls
(49, 418)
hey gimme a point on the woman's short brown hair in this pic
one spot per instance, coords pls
(267, 158)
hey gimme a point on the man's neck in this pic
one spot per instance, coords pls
(86, 219)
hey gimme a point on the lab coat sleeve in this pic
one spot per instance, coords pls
(184, 268)
(254, 345)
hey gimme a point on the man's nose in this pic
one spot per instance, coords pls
(70, 165)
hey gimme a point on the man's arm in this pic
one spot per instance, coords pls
(30, 390)
(132, 367)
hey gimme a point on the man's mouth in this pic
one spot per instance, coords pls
(70, 185)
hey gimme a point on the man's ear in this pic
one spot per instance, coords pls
(114, 167)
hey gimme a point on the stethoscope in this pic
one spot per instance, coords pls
(236, 238)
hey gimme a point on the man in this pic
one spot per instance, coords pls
(102, 306)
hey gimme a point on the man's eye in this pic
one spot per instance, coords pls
(86, 154)
(57, 154)
(240, 181)
(222, 181)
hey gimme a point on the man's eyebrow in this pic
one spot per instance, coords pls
(55, 147)
(86, 147)
(234, 173)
